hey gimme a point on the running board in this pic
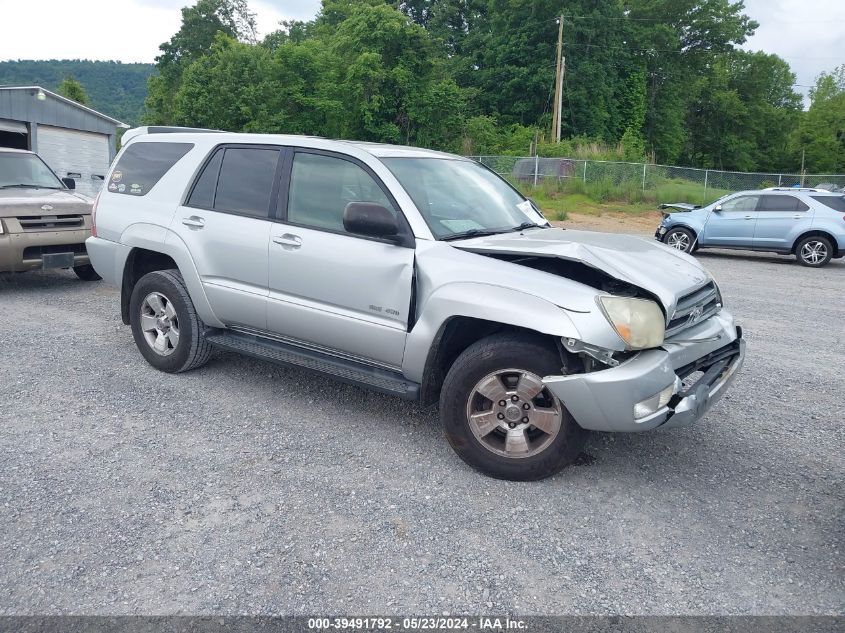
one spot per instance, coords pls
(348, 371)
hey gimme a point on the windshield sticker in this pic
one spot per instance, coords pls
(112, 186)
(117, 176)
(528, 209)
(121, 188)
(135, 188)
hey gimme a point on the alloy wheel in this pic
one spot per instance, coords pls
(159, 323)
(513, 414)
(679, 240)
(814, 252)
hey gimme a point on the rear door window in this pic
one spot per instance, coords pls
(203, 194)
(781, 203)
(237, 180)
(142, 165)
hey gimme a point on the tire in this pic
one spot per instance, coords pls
(680, 238)
(86, 272)
(173, 353)
(814, 251)
(508, 357)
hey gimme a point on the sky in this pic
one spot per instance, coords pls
(809, 34)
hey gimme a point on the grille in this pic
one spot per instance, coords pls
(694, 308)
(41, 222)
(37, 252)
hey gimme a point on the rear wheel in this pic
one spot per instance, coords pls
(814, 251)
(166, 328)
(498, 415)
(681, 239)
(86, 272)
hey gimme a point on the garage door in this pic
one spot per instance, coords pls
(83, 156)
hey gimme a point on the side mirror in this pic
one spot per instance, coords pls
(70, 183)
(717, 208)
(370, 219)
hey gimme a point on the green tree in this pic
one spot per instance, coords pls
(200, 25)
(387, 62)
(73, 90)
(741, 113)
(821, 134)
(677, 40)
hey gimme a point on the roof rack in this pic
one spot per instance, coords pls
(161, 129)
(810, 189)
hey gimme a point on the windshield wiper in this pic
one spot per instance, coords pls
(528, 225)
(471, 233)
(27, 185)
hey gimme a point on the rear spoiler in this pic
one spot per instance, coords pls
(159, 129)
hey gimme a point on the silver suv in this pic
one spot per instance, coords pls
(414, 273)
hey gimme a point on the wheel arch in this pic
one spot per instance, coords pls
(153, 248)
(695, 232)
(452, 319)
(814, 233)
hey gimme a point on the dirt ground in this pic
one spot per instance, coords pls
(645, 223)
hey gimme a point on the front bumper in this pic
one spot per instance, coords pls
(20, 252)
(604, 400)
(660, 232)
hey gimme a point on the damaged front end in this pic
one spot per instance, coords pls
(671, 350)
(666, 387)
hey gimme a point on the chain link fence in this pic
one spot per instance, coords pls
(634, 182)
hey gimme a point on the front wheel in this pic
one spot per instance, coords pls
(498, 415)
(680, 239)
(814, 251)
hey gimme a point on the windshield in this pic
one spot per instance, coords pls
(460, 198)
(18, 169)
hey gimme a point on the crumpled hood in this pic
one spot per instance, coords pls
(663, 271)
(20, 202)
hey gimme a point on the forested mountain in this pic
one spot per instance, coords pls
(114, 88)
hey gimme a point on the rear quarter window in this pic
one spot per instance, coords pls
(142, 165)
(837, 203)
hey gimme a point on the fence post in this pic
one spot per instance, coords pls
(644, 168)
(780, 179)
(536, 168)
(585, 172)
(706, 176)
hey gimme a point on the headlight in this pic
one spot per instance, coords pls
(639, 322)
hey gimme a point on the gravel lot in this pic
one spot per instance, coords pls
(248, 488)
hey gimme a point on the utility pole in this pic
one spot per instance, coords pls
(802, 166)
(557, 116)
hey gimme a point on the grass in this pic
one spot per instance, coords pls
(558, 199)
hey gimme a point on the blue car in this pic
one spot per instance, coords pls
(807, 223)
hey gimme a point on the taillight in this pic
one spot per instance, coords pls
(94, 216)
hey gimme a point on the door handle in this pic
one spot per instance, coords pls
(797, 217)
(288, 241)
(194, 222)
(749, 217)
